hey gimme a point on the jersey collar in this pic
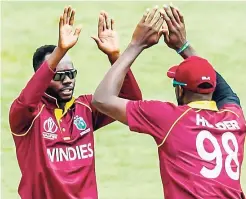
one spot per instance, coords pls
(52, 102)
(207, 105)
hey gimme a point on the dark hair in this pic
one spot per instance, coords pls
(39, 55)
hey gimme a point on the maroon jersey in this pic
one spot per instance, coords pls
(200, 147)
(55, 149)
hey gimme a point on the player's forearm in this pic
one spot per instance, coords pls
(188, 52)
(35, 88)
(130, 88)
(115, 76)
(55, 57)
(223, 93)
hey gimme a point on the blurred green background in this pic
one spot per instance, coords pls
(126, 163)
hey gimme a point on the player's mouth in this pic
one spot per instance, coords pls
(67, 90)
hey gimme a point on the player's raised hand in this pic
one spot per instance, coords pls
(68, 35)
(175, 35)
(148, 30)
(107, 39)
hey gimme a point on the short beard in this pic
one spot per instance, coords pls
(60, 100)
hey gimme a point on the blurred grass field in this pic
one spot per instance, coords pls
(126, 163)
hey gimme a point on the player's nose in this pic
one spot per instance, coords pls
(67, 80)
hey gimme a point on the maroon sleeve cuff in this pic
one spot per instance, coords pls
(131, 117)
(130, 89)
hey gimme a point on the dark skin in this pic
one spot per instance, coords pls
(175, 37)
(62, 90)
(146, 34)
(58, 60)
(107, 41)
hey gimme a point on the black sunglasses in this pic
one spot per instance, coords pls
(60, 75)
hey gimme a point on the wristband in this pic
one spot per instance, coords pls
(183, 47)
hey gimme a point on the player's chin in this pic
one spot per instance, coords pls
(66, 95)
(66, 98)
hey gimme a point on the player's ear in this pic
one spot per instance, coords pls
(180, 91)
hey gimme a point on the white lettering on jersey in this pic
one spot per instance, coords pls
(49, 136)
(230, 125)
(83, 151)
(86, 131)
(218, 161)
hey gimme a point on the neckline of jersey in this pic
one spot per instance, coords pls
(207, 105)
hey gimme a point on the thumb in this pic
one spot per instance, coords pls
(165, 34)
(96, 39)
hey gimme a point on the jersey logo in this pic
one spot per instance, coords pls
(50, 129)
(79, 123)
(50, 126)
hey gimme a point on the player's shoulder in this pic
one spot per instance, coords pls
(157, 106)
(232, 108)
(84, 100)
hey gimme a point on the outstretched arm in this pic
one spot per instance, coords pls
(146, 34)
(25, 108)
(175, 38)
(108, 42)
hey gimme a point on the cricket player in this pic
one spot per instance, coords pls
(53, 131)
(200, 145)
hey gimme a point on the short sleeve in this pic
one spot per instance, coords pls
(150, 117)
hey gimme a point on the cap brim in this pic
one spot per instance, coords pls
(172, 71)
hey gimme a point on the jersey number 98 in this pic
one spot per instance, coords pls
(217, 154)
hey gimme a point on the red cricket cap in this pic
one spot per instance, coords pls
(195, 74)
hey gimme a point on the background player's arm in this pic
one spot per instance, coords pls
(108, 42)
(25, 108)
(175, 38)
(105, 99)
(223, 93)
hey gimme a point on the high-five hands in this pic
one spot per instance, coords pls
(68, 35)
(175, 35)
(167, 21)
(149, 29)
(107, 39)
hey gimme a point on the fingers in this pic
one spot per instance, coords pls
(100, 24)
(156, 18)
(170, 15)
(164, 31)
(71, 21)
(112, 24)
(68, 16)
(152, 15)
(61, 21)
(108, 24)
(167, 20)
(175, 14)
(159, 23)
(145, 15)
(102, 13)
(69, 9)
(181, 17)
(65, 15)
(96, 39)
(153, 18)
(105, 22)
